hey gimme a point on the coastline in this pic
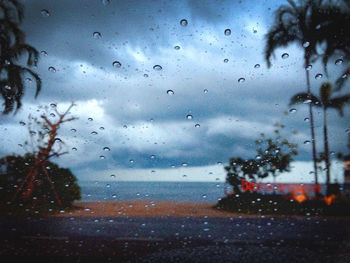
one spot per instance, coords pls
(145, 209)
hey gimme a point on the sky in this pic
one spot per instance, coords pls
(163, 96)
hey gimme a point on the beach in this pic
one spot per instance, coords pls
(145, 209)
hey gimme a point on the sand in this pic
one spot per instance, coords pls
(145, 209)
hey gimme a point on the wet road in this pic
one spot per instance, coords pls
(165, 239)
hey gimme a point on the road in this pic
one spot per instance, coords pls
(138, 239)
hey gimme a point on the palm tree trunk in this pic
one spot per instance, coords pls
(326, 147)
(314, 156)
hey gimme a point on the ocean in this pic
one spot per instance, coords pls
(206, 192)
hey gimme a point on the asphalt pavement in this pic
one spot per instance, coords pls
(136, 239)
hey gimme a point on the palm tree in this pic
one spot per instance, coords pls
(12, 47)
(295, 23)
(324, 101)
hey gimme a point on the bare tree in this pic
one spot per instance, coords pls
(43, 153)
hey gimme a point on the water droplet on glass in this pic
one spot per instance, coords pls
(52, 115)
(93, 133)
(97, 35)
(189, 117)
(306, 142)
(227, 32)
(105, 2)
(52, 69)
(22, 123)
(184, 164)
(43, 52)
(318, 76)
(177, 47)
(114, 196)
(131, 161)
(308, 67)
(339, 61)
(292, 110)
(258, 157)
(107, 149)
(74, 149)
(307, 101)
(204, 196)
(153, 156)
(306, 119)
(197, 125)
(102, 157)
(205, 91)
(306, 44)
(108, 185)
(241, 80)
(145, 75)
(183, 22)
(285, 55)
(45, 13)
(157, 67)
(102, 128)
(170, 92)
(225, 60)
(90, 119)
(117, 64)
(257, 66)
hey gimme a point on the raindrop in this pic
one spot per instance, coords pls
(45, 13)
(197, 125)
(293, 110)
(90, 119)
(113, 175)
(153, 156)
(204, 196)
(318, 76)
(306, 142)
(306, 119)
(306, 44)
(205, 91)
(107, 149)
(227, 32)
(93, 132)
(97, 35)
(114, 196)
(157, 67)
(183, 22)
(102, 157)
(108, 185)
(225, 60)
(339, 61)
(74, 149)
(189, 117)
(52, 69)
(102, 128)
(145, 75)
(258, 157)
(307, 101)
(43, 52)
(131, 161)
(53, 105)
(285, 55)
(177, 47)
(29, 80)
(73, 130)
(184, 164)
(241, 80)
(170, 92)
(125, 126)
(308, 67)
(117, 64)
(22, 123)
(257, 66)
(52, 115)
(105, 2)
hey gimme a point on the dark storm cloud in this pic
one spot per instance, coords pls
(141, 34)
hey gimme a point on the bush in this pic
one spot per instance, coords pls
(275, 204)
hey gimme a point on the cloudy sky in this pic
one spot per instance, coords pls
(102, 56)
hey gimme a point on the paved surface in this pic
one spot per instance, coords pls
(138, 239)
